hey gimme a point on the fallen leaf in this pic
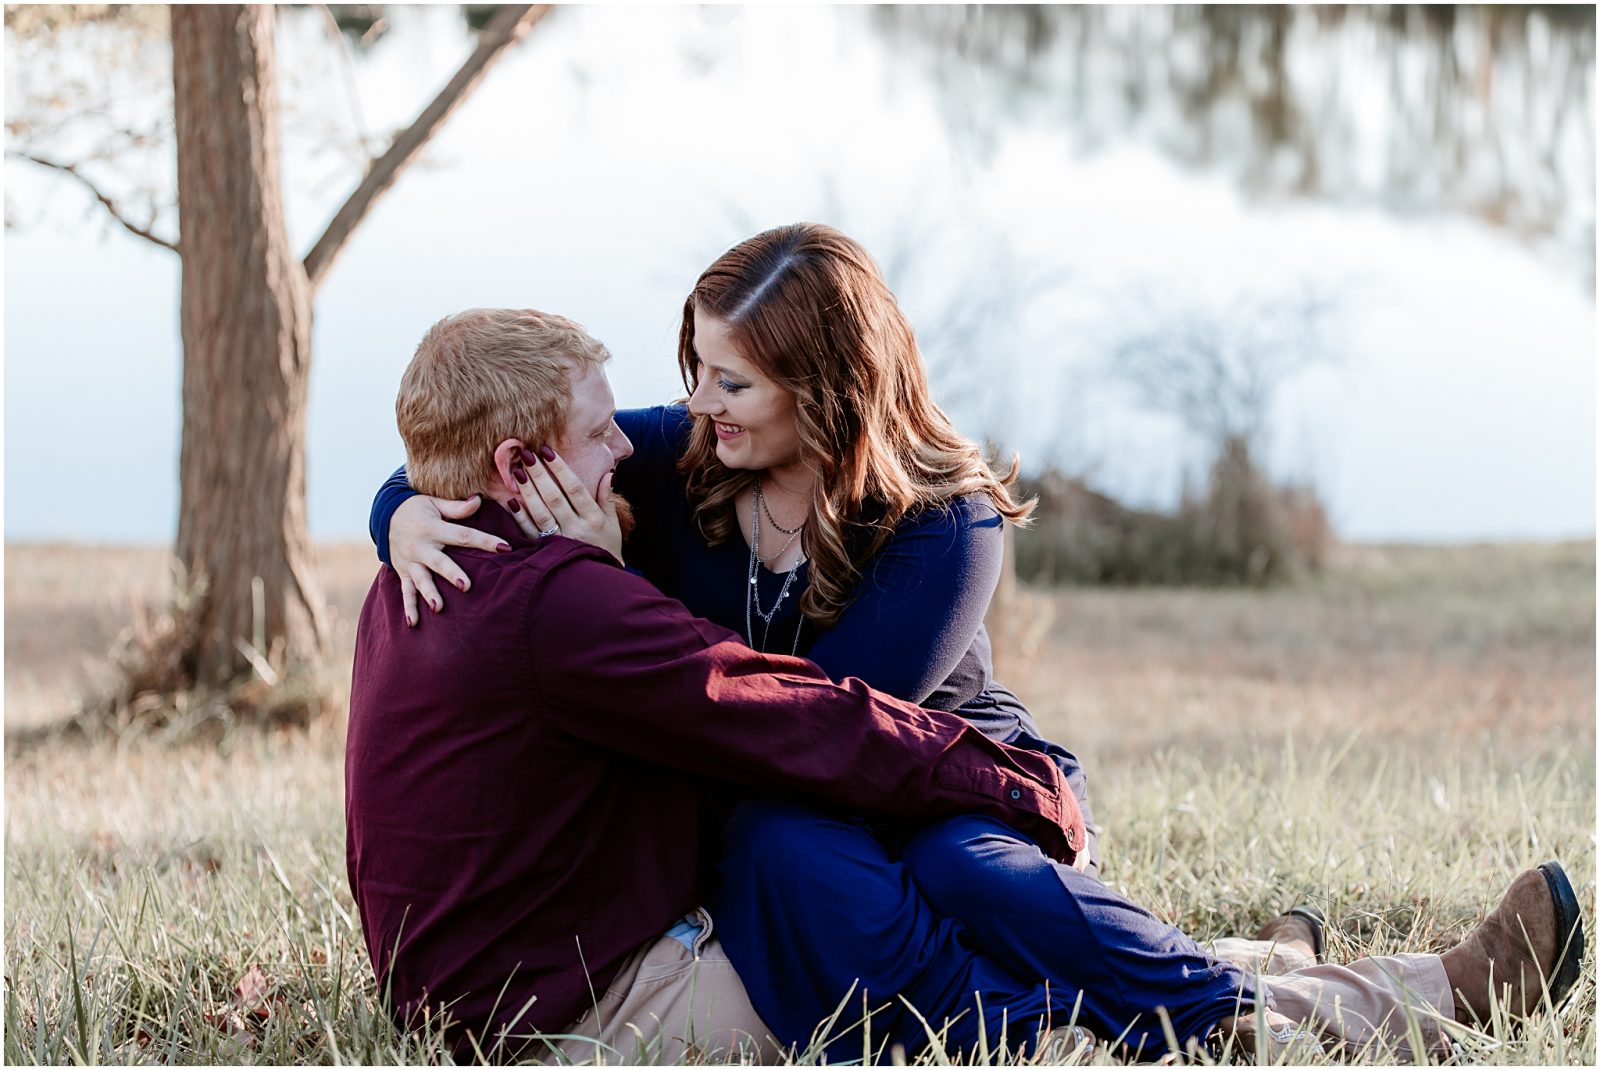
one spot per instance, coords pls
(251, 992)
(228, 1021)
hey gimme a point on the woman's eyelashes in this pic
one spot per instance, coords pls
(732, 388)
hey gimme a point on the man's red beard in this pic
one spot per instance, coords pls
(624, 514)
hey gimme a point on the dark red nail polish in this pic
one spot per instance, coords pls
(514, 505)
(461, 585)
(411, 622)
(529, 457)
(547, 453)
(435, 606)
(518, 473)
(501, 548)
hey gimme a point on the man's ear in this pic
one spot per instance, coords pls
(508, 455)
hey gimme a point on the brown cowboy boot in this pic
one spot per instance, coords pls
(1532, 943)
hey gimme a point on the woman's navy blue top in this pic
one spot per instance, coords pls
(914, 627)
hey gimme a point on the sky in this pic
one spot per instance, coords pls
(603, 164)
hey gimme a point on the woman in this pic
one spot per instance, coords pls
(868, 530)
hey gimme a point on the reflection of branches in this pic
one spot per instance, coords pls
(1487, 109)
(972, 294)
(106, 202)
(1219, 371)
(965, 340)
(347, 68)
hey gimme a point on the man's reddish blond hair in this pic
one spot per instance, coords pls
(480, 377)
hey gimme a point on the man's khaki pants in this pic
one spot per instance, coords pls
(1400, 999)
(670, 1005)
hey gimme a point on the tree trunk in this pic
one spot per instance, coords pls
(246, 326)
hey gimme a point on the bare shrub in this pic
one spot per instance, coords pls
(1217, 370)
(152, 685)
(1245, 529)
(1242, 529)
(1080, 535)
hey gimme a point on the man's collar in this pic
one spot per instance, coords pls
(497, 520)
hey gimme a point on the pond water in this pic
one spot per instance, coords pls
(1035, 194)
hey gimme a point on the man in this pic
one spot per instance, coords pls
(533, 782)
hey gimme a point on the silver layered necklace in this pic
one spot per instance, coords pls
(752, 603)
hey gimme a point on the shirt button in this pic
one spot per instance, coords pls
(1016, 793)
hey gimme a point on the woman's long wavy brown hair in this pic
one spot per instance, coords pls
(806, 305)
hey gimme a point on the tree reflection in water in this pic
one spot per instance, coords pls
(1484, 109)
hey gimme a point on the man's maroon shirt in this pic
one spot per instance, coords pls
(529, 775)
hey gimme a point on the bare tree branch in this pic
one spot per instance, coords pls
(106, 202)
(506, 29)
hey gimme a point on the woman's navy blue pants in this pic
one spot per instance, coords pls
(964, 920)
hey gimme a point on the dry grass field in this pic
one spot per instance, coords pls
(1393, 739)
